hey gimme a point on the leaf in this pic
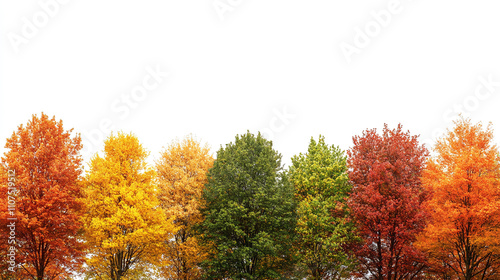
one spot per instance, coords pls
(124, 227)
(182, 174)
(463, 178)
(386, 202)
(45, 166)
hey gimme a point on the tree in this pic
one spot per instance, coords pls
(462, 237)
(182, 172)
(323, 229)
(248, 212)
(39, 177)
(386, 203)
(124, 226)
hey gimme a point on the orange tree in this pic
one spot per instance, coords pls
(462, 238)
(182, 174)
(40, 172)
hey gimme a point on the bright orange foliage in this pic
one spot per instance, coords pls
(462, 237)
(182, 171)
(46, 162)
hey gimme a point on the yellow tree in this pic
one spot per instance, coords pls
(182, 171)
(124, 226)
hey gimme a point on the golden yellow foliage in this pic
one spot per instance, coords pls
(182, 171)
(123, 224)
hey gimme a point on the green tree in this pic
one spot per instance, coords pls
(323, 229)
(248, 212)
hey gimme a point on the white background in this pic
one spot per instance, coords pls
(238, 69)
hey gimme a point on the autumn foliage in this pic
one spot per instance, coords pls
(386, 203)
(462, 237)
(123, 224)
(386, 211)
(44, 161)
(182, 170)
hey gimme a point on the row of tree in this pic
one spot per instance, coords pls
(385, 210)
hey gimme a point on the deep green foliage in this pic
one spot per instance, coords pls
(248, 212)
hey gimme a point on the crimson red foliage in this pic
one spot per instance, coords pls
(386, 203)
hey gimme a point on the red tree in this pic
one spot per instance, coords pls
(386, 203)
(40, 173)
